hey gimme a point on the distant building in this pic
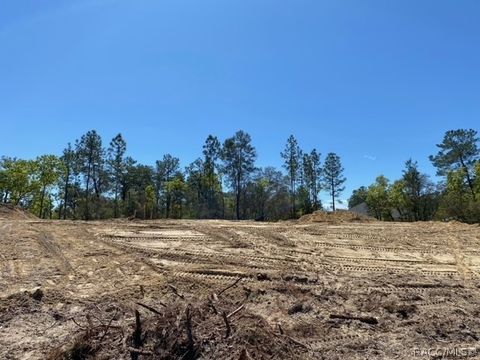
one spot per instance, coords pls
(362, 209)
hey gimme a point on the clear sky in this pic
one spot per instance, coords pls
(375, 81)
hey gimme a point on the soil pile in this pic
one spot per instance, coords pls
(12, 212)
(335, 217)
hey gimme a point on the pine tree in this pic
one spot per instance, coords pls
(91, 157)
(333, 177)
(458, 150)
(238, 156)
(116, 164)
(292, 156)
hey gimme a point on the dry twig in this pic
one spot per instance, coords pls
(227, 324)
(151, 308)
(230, 286)
(235, 311)
(175, 291)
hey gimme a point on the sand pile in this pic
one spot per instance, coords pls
(338, 216)
(12, 212)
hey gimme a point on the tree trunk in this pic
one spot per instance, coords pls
(167, 210)
(333, 195)
(87, 191)
(470, 184)
(115, 208)
(237, 204)
(223, 205)
(469, 179)
(65, 198)
(42, 198)
(292, 200)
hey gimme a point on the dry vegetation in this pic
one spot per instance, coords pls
(236, 290)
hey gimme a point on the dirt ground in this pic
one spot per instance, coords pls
(238, 290)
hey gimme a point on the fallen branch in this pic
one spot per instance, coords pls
(230, 286)
(215, 311)
(151, 308)
(227, 324)
(296, 342)
(137, 337)
(99, 320)
(175, 291)
(365, 319)
(235, 311)
(94, 327)
(108, 326)
(191, 344)
(80, 326)
(90, 325)
(299, 343)
(137, 334)
(244, 355)
(139, 352)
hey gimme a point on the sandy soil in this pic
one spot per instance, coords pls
(302, 290)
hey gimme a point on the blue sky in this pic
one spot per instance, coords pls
(375, 81)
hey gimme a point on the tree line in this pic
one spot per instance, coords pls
(414, 197)
(91, 181)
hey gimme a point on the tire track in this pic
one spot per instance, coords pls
(157, 238)
(314, 262)
(379, 249)
(47, 242)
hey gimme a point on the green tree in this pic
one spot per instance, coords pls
(166, 169)
(292, 156)
(455, 200)
(418, 193)
(3, 183)
(116, 164)
(277, 205)
(458, 150)
(196, 190)
(204, 190)
(477, 180)
(49, 169)
(378, 198)
(176, 190)
(137, 179)
(238, 156)
(267, 196)
(211, 179)
(150, 200)
(315, 179)
(398, 199)
(310, 182)
(358, 197)
(19, 183)
(91, 159)
(69, 160)
(261, 195)
(333, 176)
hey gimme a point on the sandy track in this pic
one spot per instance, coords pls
(419, 281)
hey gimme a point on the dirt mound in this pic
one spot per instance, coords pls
(12, 212)
(338, 216)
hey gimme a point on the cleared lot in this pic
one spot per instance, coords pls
(239, 290)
